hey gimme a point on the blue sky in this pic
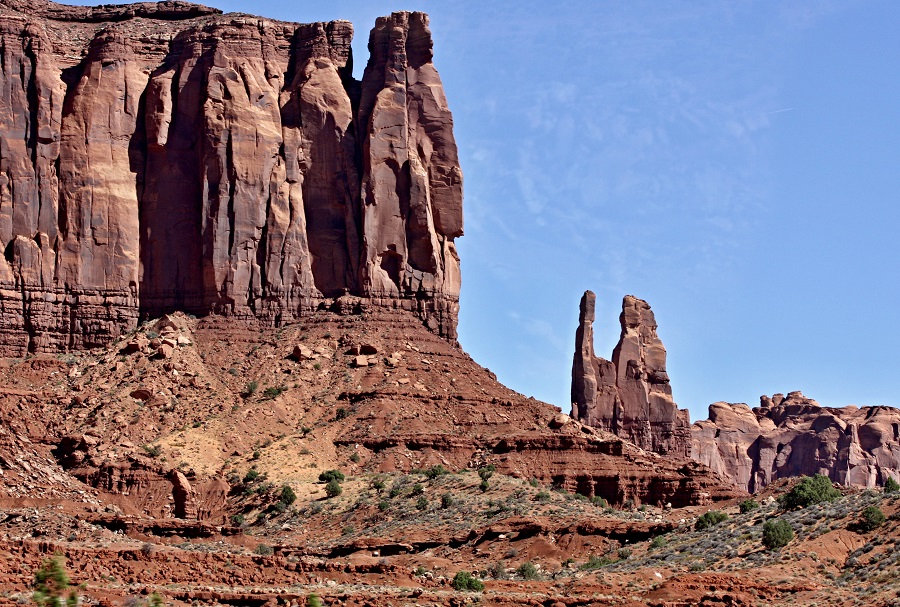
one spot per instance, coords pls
(733, 163)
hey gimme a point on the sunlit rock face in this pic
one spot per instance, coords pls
(792, 436)
(160, 157)
(629, 395)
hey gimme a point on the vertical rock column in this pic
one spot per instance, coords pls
(629, 396)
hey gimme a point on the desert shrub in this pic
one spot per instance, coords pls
(288, 496)
(237, 519)
(50, 585)
(378, 485)
(447, 500)
(464, 580)
(624, 553)
(542, 496)
(659, 541)
(872, 518)
(810, 490)
(418, 489)
(498, 571)
(354, 457)
(595, 562)
(264, 549)
(436, 471)
(250, 389)
(333, 488)
(748, 505)
(776, 534)
(527, 571)
(152, 450)
(384, 505)
(710, 519)
(891, 485)
(331, 475)
(313, 600)
(486, 472)
(484, 486)
(273, 391)
(252, 475)
(422, 503)
(599, 501)
(340, 414)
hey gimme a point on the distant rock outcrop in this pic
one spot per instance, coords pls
(793, 436)
(630, 395)
(162, 156)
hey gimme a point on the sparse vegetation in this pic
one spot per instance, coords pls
(264, 550)
(748, 506)
(891, 485)
(710, 519)
(777, 533)
(50, 585)
(528, 571)
(250, 389)
(436, 471)
(331, 475)
(465, 581)
(810, 490)
(872, 518)
(333, 488)
(274, 391)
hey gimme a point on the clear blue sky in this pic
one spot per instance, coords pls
(736, 164)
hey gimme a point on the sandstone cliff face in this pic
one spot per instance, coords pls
(156, 157)
(793, 436)
(630, 395)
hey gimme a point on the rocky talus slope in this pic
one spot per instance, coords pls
(793, 435)
(161, 156)
(630, 395)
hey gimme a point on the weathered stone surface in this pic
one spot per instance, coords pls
(159, 156)
(793, 436)
(629, 396)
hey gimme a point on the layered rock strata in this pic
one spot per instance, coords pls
(160, 156)
(630, 395)
(793, 435)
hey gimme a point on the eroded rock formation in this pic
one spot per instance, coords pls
(630, 395)
(793, 436)
(162, 156)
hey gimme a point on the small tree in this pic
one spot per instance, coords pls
(710, 519)
(872, 518)
(748, 505)
(333, 488)
(810, 490)
(776, 534)
(465, 581)
(50, 584)
(331, 475)
(527, 571)
(891, 485)
(288, 496)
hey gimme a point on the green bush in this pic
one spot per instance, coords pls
(891, 485)
(436, 471)
(659, 541)
(776, 534)
(288, 496)
(810, 490)
(748, 505)
(527, 571)
(484, 486)
(331, 475)
(710, 519)
(313, 600)
(624, 553)
(249, 389)
(333, 488)
(464, 580)
(384, 505)
(354, 457)
(595, 562)
(51, 583)
(418, 489)
(542, 496)
(447, 500)
(264, 549)
(872, 518)
(422, 503)
(252, 475)
(273, 391)
(599, 501)
(487, 472)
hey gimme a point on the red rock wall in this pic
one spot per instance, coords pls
(156, 157)
(794, 436)
(630, 395)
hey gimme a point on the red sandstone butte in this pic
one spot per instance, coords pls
(161, 156)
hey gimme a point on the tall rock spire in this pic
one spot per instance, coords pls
(630, 395)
